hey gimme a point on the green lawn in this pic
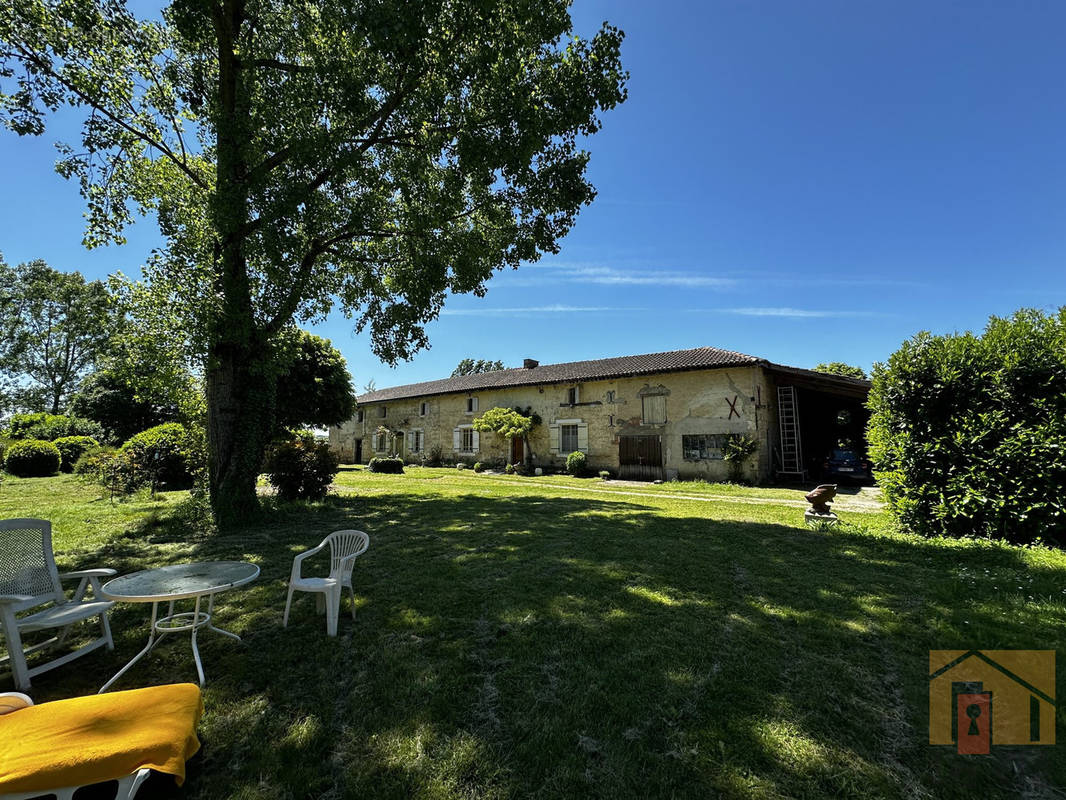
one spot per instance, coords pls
(514, 639)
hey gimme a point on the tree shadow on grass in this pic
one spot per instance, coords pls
(542, 646)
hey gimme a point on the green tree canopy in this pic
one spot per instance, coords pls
(381, 155)
(114, 398)
(504, 421)
(315, 387)
(53, 327)
(470, 366)
(840, 368)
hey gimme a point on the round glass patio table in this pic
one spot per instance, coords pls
(173, 583)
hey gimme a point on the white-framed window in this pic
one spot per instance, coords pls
(653, 409)
(423, 407)
(702, 446)
(465, 440)
(416, 441)
(471, 405)
(567, 435)
(383, 411)
(573, 395)
(567, 438)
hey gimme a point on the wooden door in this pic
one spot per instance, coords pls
(640, 457)
(518, 450)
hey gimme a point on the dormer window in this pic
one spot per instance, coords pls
(471, 405)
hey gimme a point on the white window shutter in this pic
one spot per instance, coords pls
(456, 439)
(583, 438)
(477, 437)
(410, 441)
(474, 409)
(553, 438)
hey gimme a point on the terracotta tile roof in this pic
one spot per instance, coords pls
(571, 372)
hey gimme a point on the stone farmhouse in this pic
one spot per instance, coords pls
(661, 415)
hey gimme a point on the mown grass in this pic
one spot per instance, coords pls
(518, 640)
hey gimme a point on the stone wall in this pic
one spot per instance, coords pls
(719, 401)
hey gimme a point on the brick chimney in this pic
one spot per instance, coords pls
(529, 363)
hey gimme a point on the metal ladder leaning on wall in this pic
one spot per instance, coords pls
(788, 421)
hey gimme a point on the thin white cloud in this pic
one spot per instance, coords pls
(530, 310)
(793, 313)
(612, 276)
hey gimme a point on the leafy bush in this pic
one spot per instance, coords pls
(576, 463)
(113, 469)
(49, 427)
(162, 456)
(4, 444)
(383, 464)
(71, 448)
(32, 458)
(968, 433)
(301, 469)
(479, 467)
(736, 451)
(435, 457)
(605, 475)
(509, 469)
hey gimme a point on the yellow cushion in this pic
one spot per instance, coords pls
(102, 737)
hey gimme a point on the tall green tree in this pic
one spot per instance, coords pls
(53, 327)
(315, 388)
(377, 154)
(840, 368)
(470, 366)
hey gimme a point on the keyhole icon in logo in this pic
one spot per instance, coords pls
(974, 715)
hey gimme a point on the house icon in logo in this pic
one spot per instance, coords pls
(981, 698)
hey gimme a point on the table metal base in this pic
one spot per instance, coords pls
(175, 623)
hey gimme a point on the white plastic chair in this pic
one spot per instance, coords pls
(344, 548)
(29, 578)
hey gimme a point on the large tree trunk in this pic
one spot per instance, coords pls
(240, 415)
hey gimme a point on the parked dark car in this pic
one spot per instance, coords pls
(847, 466)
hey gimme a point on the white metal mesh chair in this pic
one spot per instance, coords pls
(28, 579)
(344, 548)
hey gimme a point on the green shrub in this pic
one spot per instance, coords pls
(383, 464)
(113, 469)
(479, 467)
(71, 448)
(576, 463)
(32, 458)
(736, 451)
(50, 427)
(4, 444)
(509, 469)
(968, 433)
(301, 469)
(162, 456)
(605, 475)
(435, 456)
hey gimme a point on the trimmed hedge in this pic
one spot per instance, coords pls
(32, 458)
(576, 463)
(392, 466)
(71, 448)
(49, 427)
(968, 432)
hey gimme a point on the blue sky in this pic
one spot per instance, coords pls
(800, 181)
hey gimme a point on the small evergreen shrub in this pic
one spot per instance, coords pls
(161, 456)
(71, 448)
(386, 465)
(576, 463)
(49, 427)
(479, 467)
(736, 451)
(509, 469)
(605, 475)
(301, 469)
(32, 458)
